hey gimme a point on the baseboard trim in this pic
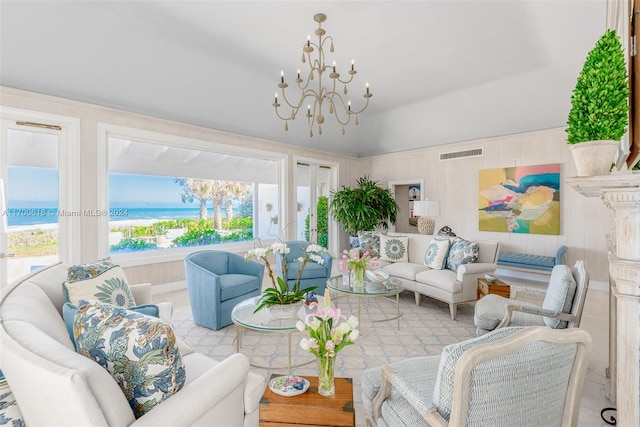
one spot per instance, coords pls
(168, 287)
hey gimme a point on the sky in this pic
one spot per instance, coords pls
(38, 187)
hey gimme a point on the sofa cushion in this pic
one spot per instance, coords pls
(405, 270)
(69, 313)
(559, 295)
(108, 285)
(369, 241)
(491, 309)
(394, 248)
(462, 252)
(234, 285)
(445, 280)
(437, 252)
(139, 351)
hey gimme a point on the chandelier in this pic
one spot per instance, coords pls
(317, 97)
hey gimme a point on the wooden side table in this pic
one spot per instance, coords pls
(498, 287)
(309, 408)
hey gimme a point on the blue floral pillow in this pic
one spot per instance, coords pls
(462, 252)
(369, 241)
(437, 252)
(139, 351)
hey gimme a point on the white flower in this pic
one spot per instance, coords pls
(300, 259)
(301, 327)
(330, 346)
(353, 322)
(304, 343)
(280, 248)
(313, 343)
(316, 248)
(342, 329)
(354, 335)
(316, 258)
(314, 324)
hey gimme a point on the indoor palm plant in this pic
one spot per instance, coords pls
(279, 296)
(363, 208)
(599, 107)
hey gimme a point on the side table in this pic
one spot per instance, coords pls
(498, 287)
(309, 408)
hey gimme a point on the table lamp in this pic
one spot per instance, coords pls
(425, 210)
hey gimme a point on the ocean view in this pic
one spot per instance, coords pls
(21, 217)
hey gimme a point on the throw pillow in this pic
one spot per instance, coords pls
(394, 248)
(560, 294)
(462, 252)
(101, 282)
(139, 351)
(436, 255)
(369, 241)
(69, 313)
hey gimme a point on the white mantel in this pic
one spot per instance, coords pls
(621, 194)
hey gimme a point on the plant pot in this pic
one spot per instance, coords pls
(285, 311)
(594, 158)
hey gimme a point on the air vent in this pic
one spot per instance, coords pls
(474, 152)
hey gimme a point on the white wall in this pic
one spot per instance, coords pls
(454, 183)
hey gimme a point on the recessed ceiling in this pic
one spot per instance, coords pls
(440, 71)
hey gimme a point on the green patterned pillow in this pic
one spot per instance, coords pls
(462, 252)
(139, 351)
(436, 255)
(108, 285)
(394, 248)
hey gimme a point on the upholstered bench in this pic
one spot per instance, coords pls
(520, 261)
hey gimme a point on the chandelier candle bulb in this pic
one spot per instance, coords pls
(352, 65)
(281, 76)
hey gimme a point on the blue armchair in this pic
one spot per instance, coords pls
(312, 275)
(217, 281)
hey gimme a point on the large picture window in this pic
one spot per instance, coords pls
(163, 197)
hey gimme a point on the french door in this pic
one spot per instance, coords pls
(32, 234)
(314, 184)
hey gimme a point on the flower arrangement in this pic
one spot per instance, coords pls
(279, 293)
(357, 261)
(329, 332)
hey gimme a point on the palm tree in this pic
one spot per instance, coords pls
(234, 189)
(196, 189)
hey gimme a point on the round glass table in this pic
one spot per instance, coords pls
(390, 287)
(244, 318)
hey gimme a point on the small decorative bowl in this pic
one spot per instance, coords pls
(377, 276)
(490, 277)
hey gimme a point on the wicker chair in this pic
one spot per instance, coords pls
(512, 376)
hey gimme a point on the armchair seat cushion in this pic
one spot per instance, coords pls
(490, 311)
(234, 285)
(311, 270)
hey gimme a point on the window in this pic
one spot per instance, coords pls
(164, 196)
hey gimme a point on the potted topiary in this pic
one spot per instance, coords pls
(599, 108)
(363, 208)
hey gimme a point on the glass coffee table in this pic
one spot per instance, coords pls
(389, 288)
(244, 318)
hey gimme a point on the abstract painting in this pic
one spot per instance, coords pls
(521, 199)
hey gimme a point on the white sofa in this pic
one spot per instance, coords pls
(454, 288)
(54, 385)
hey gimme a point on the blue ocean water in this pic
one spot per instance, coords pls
(33, 216)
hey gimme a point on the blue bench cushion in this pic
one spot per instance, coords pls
(233, 285)
(526, 261)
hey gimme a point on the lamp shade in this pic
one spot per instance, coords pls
(426, 208)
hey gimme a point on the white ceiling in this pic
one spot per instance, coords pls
(440, 71)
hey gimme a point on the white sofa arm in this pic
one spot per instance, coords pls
(203, 394)
(141, 293)
(475, 268)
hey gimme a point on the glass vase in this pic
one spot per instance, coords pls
(326, 385)
(358, 277)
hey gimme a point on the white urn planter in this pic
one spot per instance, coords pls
(594, 158)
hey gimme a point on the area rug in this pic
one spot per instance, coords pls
(424, 330)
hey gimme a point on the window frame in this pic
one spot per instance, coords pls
(106, 130)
